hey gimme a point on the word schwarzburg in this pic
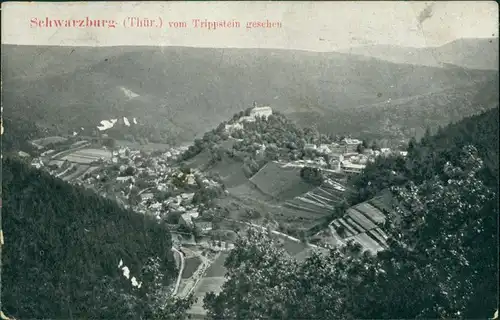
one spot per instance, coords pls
(72, 23)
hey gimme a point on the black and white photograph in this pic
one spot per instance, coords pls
(249, 160)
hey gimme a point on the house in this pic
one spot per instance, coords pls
(265, 112)
(123, 179)
(349, 142)
(310, 146)
(233, 127)
(349, 167)
(368, 151)
(46, 153)
(187, 196)
(145, 196)
(204, 226)
(351, 145)
(324, 149)
(37, 163)
(187, 218)
(191, 180)
(247, 119)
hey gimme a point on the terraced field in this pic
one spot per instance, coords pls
(48, 140)
(362, 223)
(86, 156)
(319, 201)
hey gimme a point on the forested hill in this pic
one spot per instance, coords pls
(442, 255)
(428, 156)
(62, 250)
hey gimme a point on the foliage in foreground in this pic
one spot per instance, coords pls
(63, 246)
(441, 262)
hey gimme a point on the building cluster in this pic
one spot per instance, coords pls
(257, 112)
(342, 157)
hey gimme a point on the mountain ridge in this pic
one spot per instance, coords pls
(462, 52)
(168, 82)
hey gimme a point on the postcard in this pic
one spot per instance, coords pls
(142, 142)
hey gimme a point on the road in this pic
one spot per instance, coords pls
(272, 231)
(181, 269)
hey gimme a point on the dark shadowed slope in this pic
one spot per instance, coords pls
(63, 246)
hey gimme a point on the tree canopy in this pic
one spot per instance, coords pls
(441, 260)
(63, 245)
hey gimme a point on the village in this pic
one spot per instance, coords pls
(156, 184)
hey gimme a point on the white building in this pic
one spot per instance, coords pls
(310, 146)
(324, 148)
(349, 167)
(233, 127)
(247, 119)
(127, 178)
(146, 196)
(351, 142)
(265, 112)
(46, 153)
(187, 218)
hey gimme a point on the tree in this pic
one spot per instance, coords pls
(360, 148)
(432, 269)
(442, 218)
(375, 146)
(312, 175)
(109, 142)
(129, 171)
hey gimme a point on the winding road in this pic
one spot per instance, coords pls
(181, 269)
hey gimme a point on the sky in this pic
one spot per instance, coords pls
(306, 25)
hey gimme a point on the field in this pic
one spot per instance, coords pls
(86, 156)
(190, 266)
(48, 140)
(279, 182)
(207, 284)
(144, 147)
(239, 206)
(319, 201)
(217, 268)
(70, 174)
(200, 160)
(308, 205)
(80, 170)
(249, 191)
(362, 223)
(292, 247)
(230, 171)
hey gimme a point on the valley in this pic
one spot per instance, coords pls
(160, 182)
(210, 196)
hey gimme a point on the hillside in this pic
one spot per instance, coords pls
(65, 246)
(398, 119)
(481, 54)
(68, 88)
(432, 152)
(440, 241)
